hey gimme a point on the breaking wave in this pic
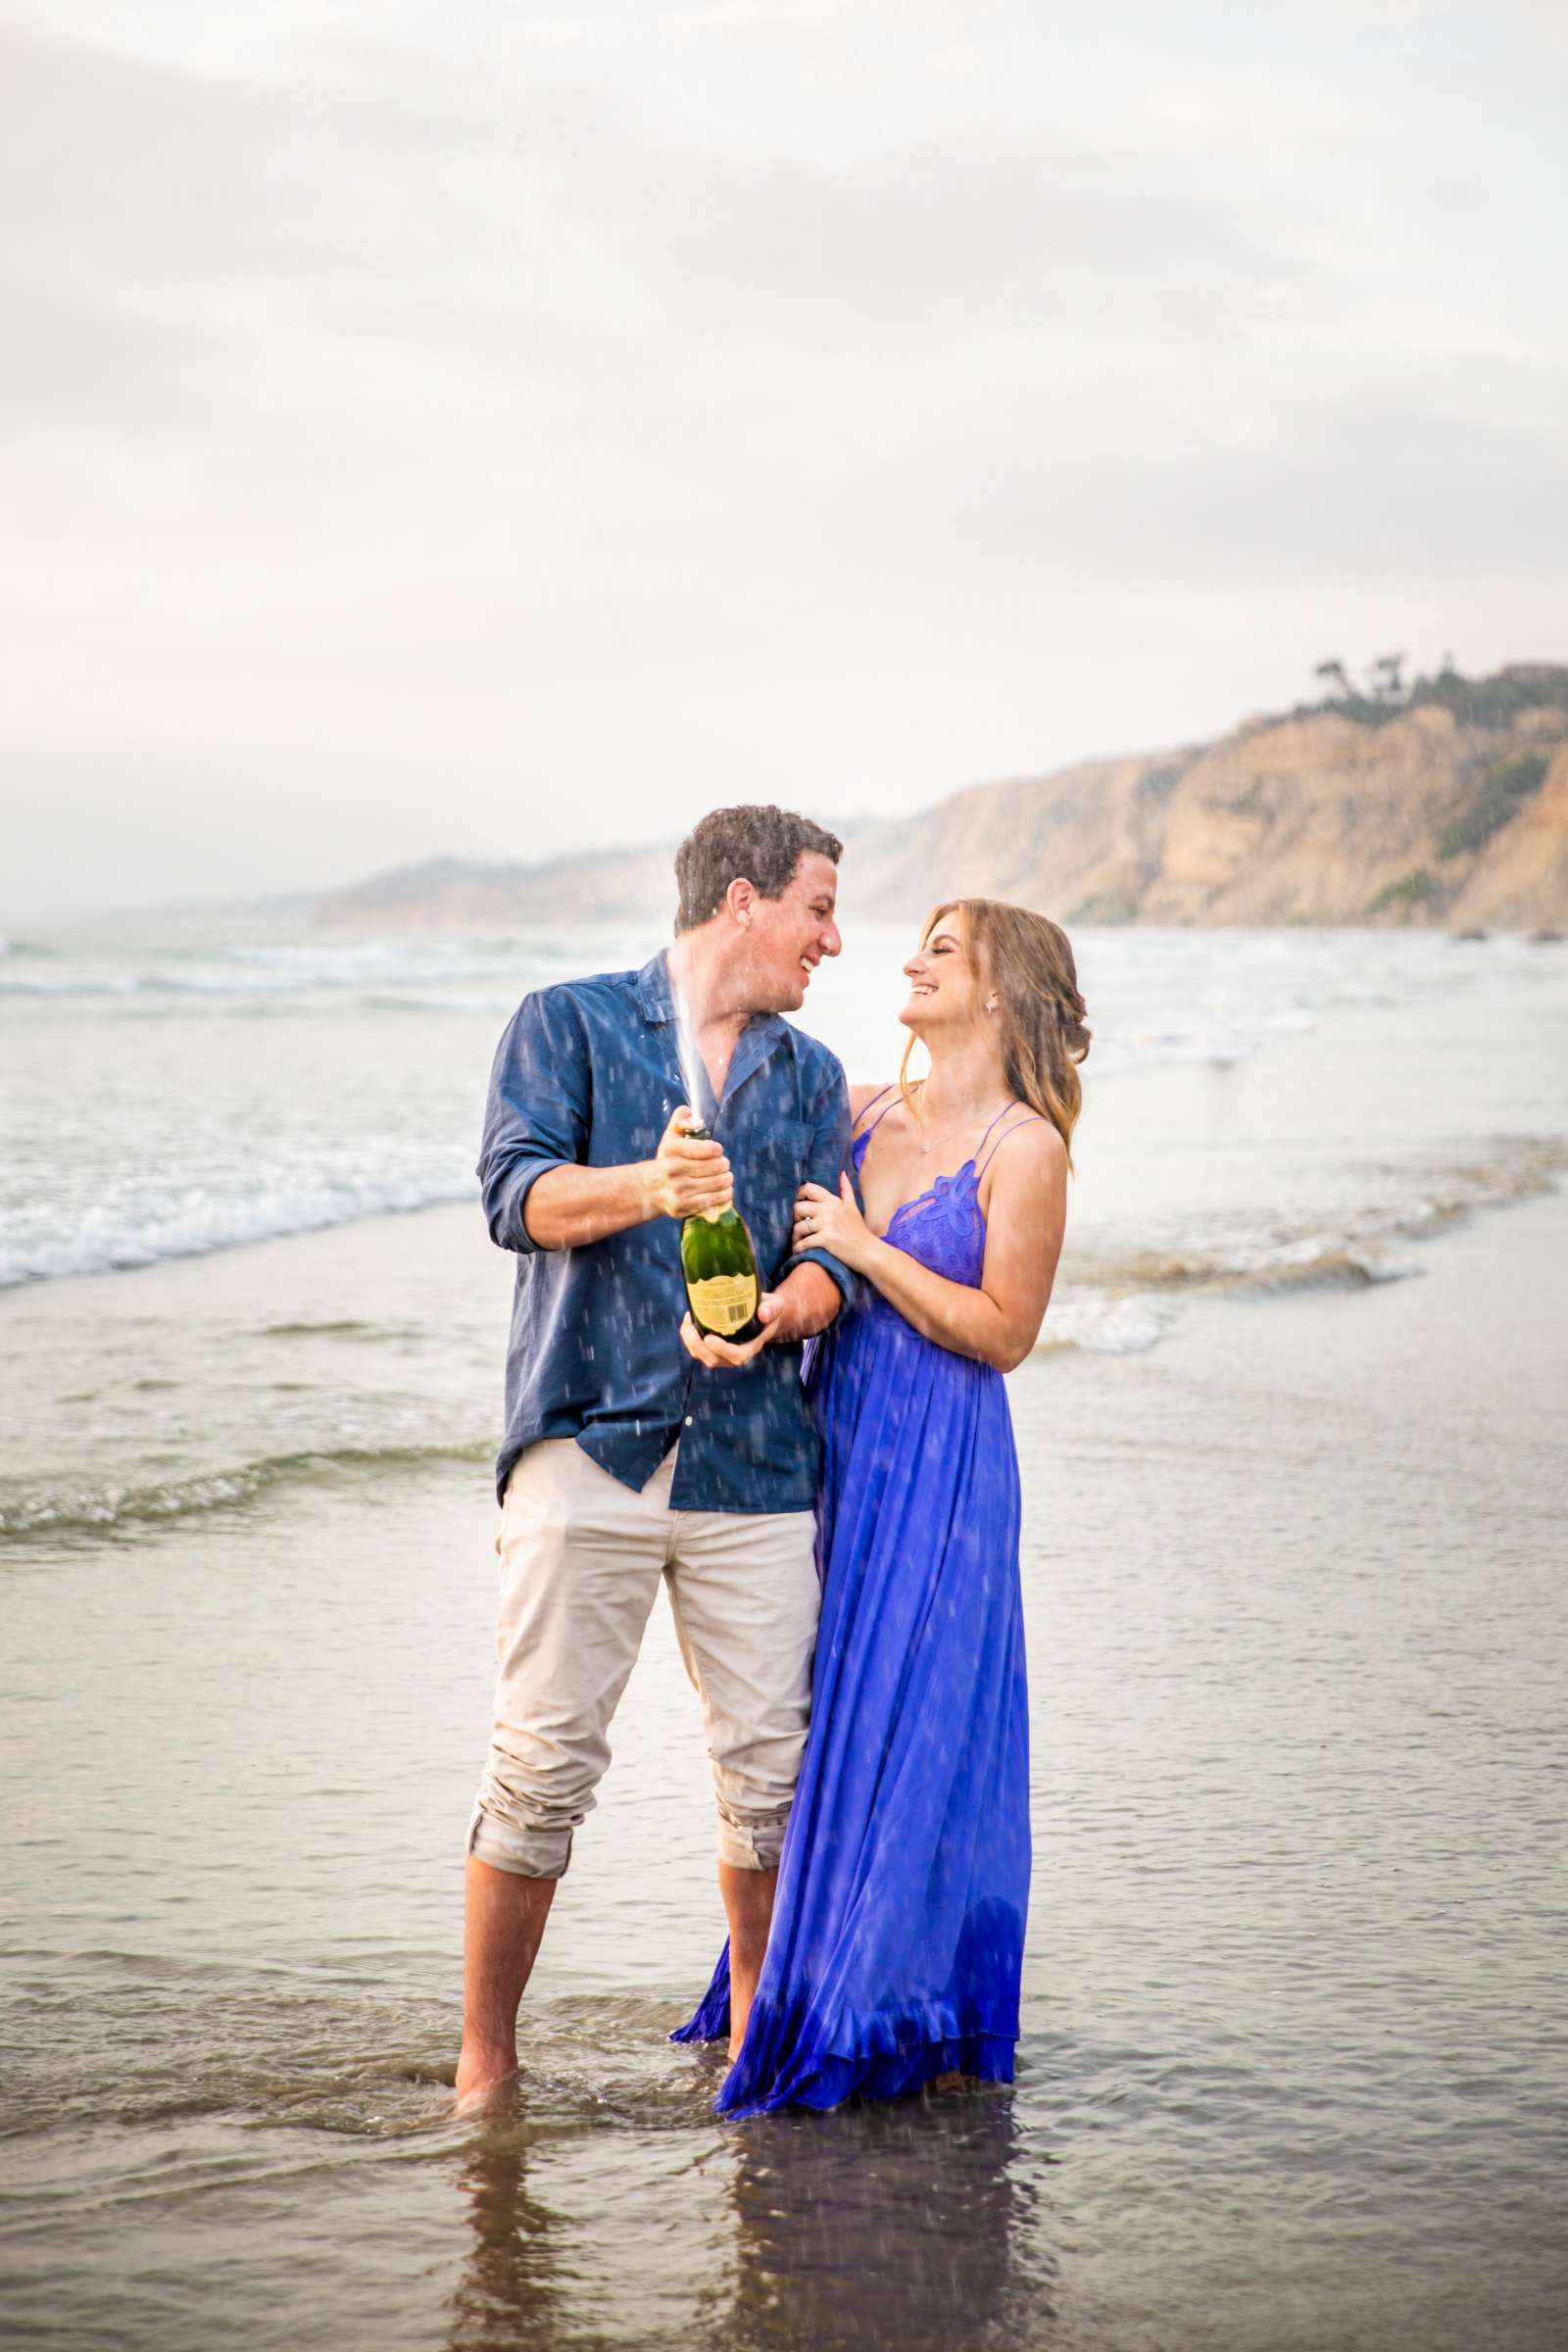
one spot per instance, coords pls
(1357, 1251)
(1127, 1326)
(104, 1509)
(195, 1221)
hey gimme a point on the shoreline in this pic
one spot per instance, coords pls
(1181, 1323)
(1330, 1161)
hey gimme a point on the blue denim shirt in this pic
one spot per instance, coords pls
(587, 1071)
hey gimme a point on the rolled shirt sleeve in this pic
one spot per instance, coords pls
(828, 1115)
(537, 1113)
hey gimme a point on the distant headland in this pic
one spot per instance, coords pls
(1438, 801)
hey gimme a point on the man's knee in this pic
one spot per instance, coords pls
(579, 1571)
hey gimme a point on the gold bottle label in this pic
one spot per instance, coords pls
(722, 1303)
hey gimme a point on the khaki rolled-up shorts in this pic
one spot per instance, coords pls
(581, 1559)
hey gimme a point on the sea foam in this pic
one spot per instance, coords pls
(196, 1221)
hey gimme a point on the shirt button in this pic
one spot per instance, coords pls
(688, 1420)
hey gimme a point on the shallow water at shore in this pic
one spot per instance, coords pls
(1294, 2070)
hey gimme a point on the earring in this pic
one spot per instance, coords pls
(990, 1004)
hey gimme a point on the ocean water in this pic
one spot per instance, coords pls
(170, 1102)
(169, 1091)
(1295, 2070)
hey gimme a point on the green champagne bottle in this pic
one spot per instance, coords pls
(720, 1264)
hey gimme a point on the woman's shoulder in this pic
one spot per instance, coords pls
(862, 1098)
(1039, 1151)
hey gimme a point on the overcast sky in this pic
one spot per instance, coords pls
(477, 426)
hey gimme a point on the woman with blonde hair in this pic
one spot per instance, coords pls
(896, 1942)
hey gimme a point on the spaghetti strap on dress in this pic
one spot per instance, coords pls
(1034, 1120)
(866, 1133)
(897, 1943)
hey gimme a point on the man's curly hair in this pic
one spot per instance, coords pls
(754, 842)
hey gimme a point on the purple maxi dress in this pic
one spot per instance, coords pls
(896, 1942)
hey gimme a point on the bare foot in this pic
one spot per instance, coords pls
(481, 2072)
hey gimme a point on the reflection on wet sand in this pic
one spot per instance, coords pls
(911, 2224)
(907, 2223)
(512, 2296)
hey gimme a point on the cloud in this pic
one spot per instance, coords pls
(629, 423)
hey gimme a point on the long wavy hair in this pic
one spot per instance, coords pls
(1026, 962)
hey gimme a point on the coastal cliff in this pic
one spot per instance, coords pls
(1447, 806)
